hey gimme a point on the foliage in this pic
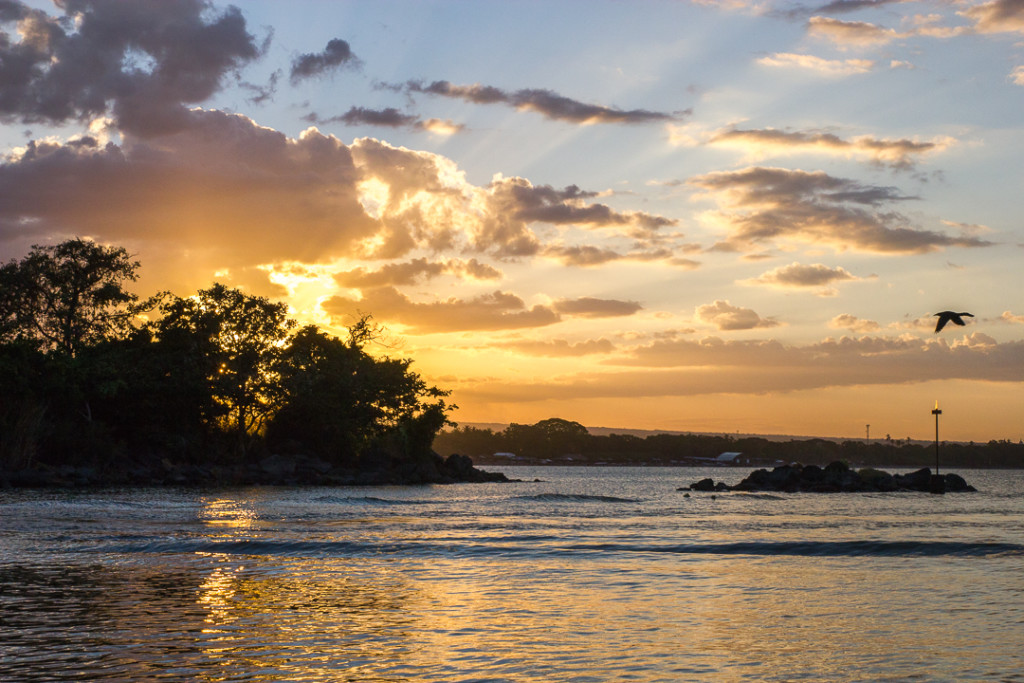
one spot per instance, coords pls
(237, 340)
(220, 375)
(69, 295)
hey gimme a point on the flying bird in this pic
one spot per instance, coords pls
(950, 317)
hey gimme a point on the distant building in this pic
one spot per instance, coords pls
(504, 455)
(730, 458)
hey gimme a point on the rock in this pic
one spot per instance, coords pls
(914, 481)
(838, 477)
(277, 466)
(956, 484)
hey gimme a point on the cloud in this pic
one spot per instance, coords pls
(560, 348)
(493, 311)
(337, 54)
(388, 117)
(590, 256)
(797, 275)
(441, 126)
(845, 321)
(1017, 75)
(819, 65)
(769, 205)
(725, 316)
(140, 62)
(997, 16)
(358, 116)
(1011, 318)
(544, 102)
(759, 143)
(856, 33)
(841, 6)
(589, 307)
(224, 192)
(415, 271)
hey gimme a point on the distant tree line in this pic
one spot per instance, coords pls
(91, 374)
(556, 440)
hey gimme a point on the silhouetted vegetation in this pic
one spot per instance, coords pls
(558, 441)
(217, 386)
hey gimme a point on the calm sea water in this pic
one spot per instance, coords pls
(592, 574)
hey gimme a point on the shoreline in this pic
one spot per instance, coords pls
(273, 470)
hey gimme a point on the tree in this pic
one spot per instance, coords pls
(65, 296)
(237, 342)
(340, 399)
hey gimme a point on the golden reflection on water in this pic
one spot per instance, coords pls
(236, 513)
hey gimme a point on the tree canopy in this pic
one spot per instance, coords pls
(218, 376)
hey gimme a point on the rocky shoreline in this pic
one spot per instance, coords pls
(837, 477)
(273, 470)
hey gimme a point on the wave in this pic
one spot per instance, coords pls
(555, 546)
(824, 548)
(367, 500)
(575, 498)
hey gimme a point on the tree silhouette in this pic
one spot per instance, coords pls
(237, 340)
(68, 295)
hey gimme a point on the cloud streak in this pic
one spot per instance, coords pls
(548, 104)
(757, 144)
(487, 312)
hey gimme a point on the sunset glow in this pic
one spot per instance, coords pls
(696, 216)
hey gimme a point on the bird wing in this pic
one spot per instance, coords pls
(942, 323)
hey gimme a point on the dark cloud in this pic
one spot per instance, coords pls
(141, 61)
(358, 116)
(764, 205)
(837, 7)
(388, 117)
(545, 102)
(336, 55)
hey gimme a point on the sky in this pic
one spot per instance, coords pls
(733, 216)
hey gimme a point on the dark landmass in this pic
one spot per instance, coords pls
(274, 470)
(837, 477)
(562, 442)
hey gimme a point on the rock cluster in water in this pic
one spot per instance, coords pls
(274, 470)
(837, 477)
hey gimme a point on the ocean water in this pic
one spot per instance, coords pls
(591, 574)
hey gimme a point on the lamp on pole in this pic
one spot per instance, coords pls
(936, 412)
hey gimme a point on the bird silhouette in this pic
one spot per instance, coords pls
(950, 317)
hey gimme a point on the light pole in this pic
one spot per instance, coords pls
(936, 412)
